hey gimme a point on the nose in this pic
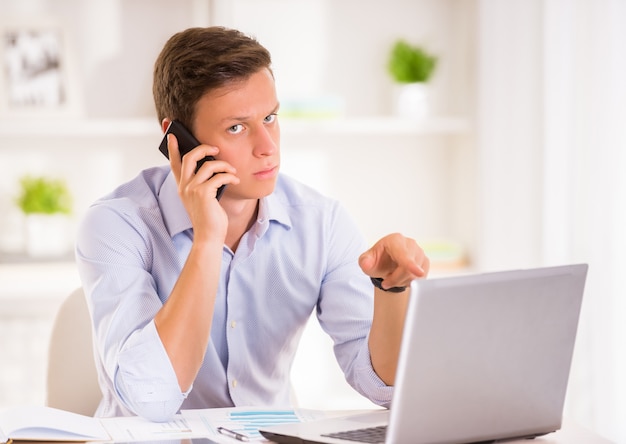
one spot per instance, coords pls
(266, 141)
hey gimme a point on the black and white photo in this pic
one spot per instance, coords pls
(33, 65)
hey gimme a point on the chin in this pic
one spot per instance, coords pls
(266, 189)
(255, 191)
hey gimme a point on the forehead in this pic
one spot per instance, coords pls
(256, 94)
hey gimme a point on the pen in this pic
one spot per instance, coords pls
(233, 434)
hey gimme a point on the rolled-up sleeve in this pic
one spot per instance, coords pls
(367, 382)
(145, 380)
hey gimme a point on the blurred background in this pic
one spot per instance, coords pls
(516, 160)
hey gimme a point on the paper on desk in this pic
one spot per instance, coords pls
(134, 428)
(247, 421)
(40, 423)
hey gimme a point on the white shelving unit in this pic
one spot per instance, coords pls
(79, 128)
(387, 126)
(382, 125)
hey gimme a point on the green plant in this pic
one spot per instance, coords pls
(410, 64)
(44, 196)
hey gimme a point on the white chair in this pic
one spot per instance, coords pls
(72, 381)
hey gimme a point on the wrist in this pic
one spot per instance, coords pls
(378, 283)
(203, 247)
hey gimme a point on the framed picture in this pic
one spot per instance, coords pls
(36, 71)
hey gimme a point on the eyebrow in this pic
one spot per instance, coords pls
(244, 118)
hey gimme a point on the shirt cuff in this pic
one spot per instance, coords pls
(145, 380)
(368, 383)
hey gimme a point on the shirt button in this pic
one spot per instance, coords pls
(233, 324)
(234, 383)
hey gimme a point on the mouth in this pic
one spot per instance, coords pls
(267, 173)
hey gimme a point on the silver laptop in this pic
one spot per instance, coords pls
(484, 357)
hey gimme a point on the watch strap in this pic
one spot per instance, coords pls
(378, 283)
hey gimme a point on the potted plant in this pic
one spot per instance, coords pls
(411, 67)
(46, 204)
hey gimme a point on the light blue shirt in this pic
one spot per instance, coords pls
(300, 255)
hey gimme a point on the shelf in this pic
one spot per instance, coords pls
(377, 125)
(35, 290)
(80, 128)
(149, 127)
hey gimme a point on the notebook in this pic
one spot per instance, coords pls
(484, 357)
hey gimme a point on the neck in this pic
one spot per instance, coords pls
(241, 216)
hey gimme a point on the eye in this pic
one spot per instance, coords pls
(235, 129)
(270, 118)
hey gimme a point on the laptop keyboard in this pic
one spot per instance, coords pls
(371, 435)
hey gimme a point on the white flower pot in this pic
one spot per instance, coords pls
(47, 235)
(412, 100)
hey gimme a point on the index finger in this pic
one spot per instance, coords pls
(174, 155)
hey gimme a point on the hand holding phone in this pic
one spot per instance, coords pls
(186, 142)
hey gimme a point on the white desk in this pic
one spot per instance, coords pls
(196, 420)
(570, 433)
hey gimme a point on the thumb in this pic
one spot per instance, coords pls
(367, 261)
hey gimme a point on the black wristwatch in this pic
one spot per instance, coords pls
(378, 284)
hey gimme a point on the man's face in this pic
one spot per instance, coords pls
(240, 119)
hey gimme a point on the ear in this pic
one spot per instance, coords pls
(165, 123)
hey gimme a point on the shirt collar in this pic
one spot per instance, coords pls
(271, 208)
(174, 213)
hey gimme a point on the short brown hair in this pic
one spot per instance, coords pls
(198, 60)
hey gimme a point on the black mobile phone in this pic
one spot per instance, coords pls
(186, 142)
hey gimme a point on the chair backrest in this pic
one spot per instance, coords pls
(72, 380)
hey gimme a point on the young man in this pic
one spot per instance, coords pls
(200, 303)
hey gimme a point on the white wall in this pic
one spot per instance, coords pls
(551, 136)
(510, 133)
